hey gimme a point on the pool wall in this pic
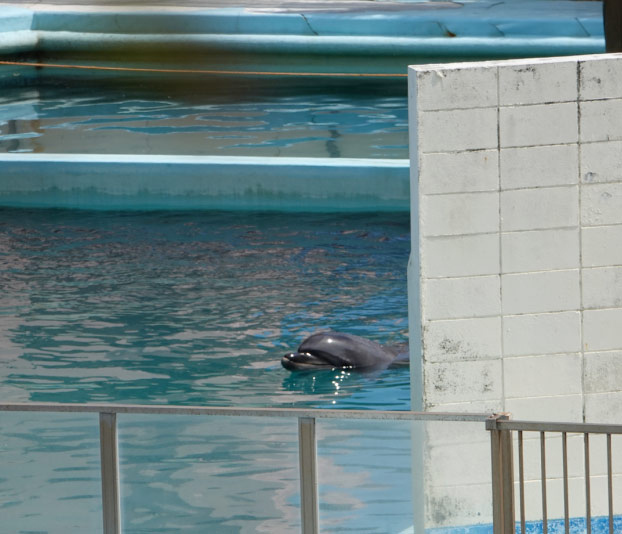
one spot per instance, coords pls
(517, 170)
(374, 38)
(377, 37)
(203, 182)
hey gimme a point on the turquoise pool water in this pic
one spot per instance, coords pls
(197, 308)
(306, 117)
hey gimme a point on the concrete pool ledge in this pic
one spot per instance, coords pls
(378, 37)
(203, 182)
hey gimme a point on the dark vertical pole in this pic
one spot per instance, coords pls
(612, 18)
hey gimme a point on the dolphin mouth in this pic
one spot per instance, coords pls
(298, 361)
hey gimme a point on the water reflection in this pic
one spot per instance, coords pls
(279, 118)
(161, 306)
(197, 309)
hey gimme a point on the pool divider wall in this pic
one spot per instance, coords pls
(517, 169)
(203, 182)
(377, 38)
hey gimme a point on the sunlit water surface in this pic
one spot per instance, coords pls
(212, 116)
(197, 308)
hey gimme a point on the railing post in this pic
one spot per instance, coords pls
(307, 451)
(502, 476)
(111, 504)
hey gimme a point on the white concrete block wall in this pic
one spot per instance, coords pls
(517, 170)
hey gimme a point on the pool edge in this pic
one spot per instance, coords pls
(128, 182)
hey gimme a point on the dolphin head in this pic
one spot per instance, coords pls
(335, 350)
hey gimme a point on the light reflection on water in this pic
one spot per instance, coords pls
(197, 308)
(241, 118)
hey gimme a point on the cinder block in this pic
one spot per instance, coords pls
(537, 83)
(554, 460)
(604, 408)
(459, 172)
(539, 208)
(462, 339)
(601, 246)
(462, 381)
(539, 250)
(459, 298)
(458, 214)
(446, 88)
(487, 406)
(603, 372)
(555, 498)
(448, 432)
(539, 166)
(457, 130)
(601, 120)
(562, 408)
(601, 204)
(598, 445)
(550, 124)
(600, 77)
(546, 291)
(601, 162)
(460, 256)
(455, 506)
(601, 330)
(543, 333)
(540, 376)
(602, 287)
(447, 465)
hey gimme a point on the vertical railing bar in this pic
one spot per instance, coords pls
(497, 494)
(521, 481)
(610, 483)
(502, 467)
(545, 525)
(507, 471)
(307, 450)
(565, 469)
(588, 495)
(111, 504)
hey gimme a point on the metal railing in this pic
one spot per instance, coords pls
(500, 426)
(307, 446)
(501, 433)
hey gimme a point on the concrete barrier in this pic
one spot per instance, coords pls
(516, 167)
(203, 182)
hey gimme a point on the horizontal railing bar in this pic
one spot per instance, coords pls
(397, 415)
(543, 426)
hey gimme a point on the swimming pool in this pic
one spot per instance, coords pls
(61, 112)
(197, 308)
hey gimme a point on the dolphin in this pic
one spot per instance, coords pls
(336, 350)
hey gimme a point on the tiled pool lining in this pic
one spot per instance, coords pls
(203, 182)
